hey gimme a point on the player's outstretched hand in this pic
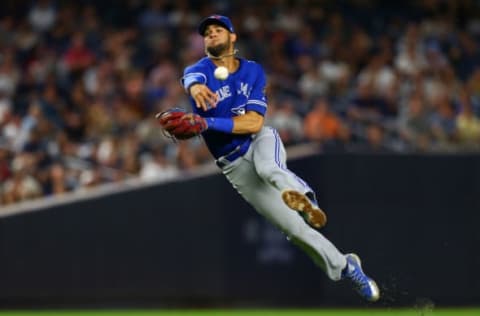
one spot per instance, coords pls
(203, 96)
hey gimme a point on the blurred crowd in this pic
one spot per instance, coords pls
(81, 81)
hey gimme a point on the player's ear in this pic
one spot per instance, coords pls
(233, 37)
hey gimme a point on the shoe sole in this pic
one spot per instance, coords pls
(376, 292)
(299, 202)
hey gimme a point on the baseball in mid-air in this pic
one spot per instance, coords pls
(221, 73)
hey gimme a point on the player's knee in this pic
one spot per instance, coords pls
(296, 232)
(298, 238)
(270, 173)
(302, 232)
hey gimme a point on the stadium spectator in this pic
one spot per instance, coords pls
(155, 166)
(414, 124)
(468, 125)
(322, 125)
(285, 119)
(42, 15)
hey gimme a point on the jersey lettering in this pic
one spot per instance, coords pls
(223, 92)
(244, 89)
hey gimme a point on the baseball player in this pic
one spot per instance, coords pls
(229, 104)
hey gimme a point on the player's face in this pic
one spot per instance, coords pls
(218, 40)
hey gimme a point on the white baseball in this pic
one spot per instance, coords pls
(221, 73)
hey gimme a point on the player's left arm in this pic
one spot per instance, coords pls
(250, 123)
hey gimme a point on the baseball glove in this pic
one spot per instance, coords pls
(179, 124)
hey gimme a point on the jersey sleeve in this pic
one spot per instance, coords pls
(257, 101)
(193, 74)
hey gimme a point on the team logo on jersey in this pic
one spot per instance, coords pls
(239, 110)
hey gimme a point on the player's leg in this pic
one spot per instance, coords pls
(266, 199)
(269, 160)
(269, 157)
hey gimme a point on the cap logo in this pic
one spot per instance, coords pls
(216, 19)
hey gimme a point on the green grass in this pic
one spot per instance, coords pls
(247, 312)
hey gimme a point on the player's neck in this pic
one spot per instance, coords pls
(230, 62)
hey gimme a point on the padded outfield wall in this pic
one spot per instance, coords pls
(413, 219)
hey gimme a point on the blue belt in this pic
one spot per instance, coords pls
(239, 151)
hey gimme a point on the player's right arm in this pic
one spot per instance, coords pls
(202, 96)
(195, 83)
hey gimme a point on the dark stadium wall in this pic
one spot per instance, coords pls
(412, 219)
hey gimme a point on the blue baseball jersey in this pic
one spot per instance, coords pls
(242, 91)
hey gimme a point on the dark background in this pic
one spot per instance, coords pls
(412, 219)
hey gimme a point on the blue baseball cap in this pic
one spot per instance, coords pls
(215, 19)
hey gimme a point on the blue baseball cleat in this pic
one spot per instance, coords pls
(364, 285)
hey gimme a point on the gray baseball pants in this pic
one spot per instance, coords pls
(260, 176)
